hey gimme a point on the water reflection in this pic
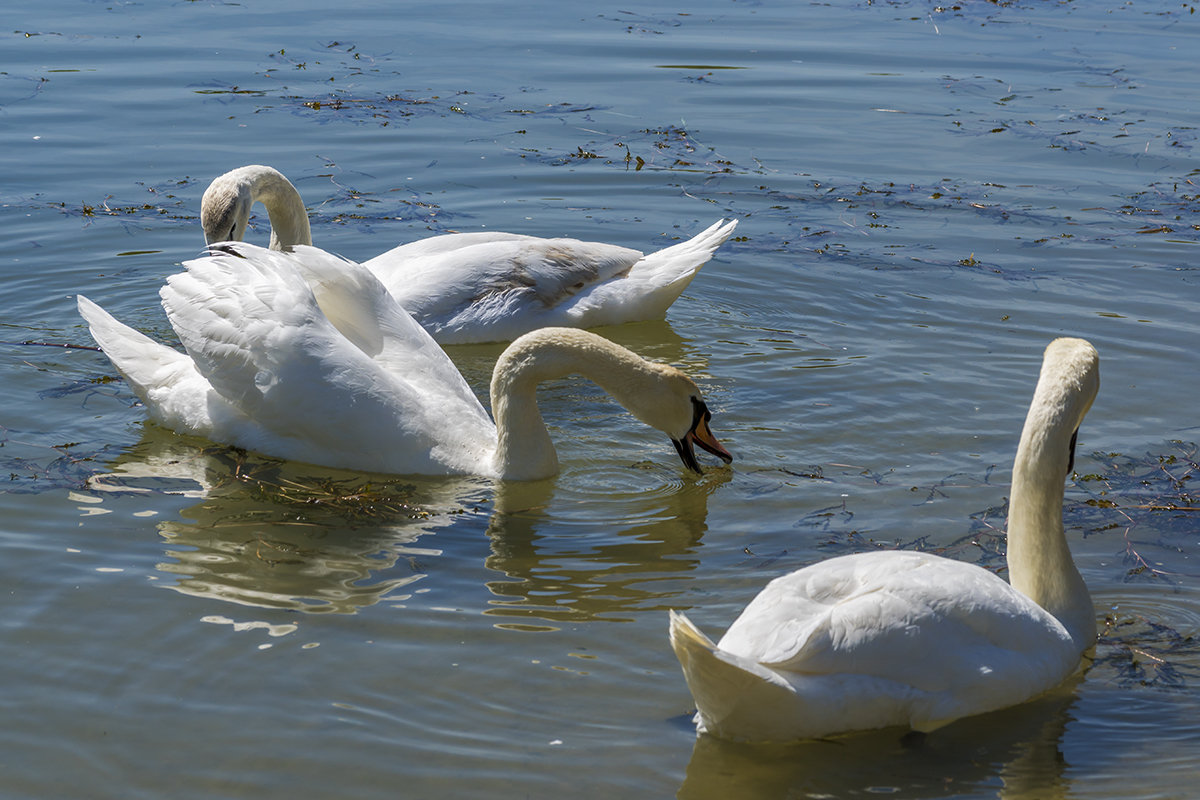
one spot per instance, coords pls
(1014, 754)
(560, 569)
(272, 534)
(301, 567)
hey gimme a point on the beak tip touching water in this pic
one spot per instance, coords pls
(700, 435)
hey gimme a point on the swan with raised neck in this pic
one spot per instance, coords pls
(907, 638)
(1039, 561)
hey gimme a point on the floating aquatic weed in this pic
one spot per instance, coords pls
(1134, 650)
(217, 88)
(354, 499)
(667, 148)
(334, 76)
(159, 205)
(867, 211)
(1036, 115)
(32, 84)
(361, 209)
(1150, 500)
(1165, 207)
(980, 546)
(29, 465)
(381, 109)
(644, 24)
(306, 494)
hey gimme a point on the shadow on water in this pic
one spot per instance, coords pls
(1015, 754)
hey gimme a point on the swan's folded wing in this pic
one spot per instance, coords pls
(928, 622)
(496, 280)
(255, 331)
(558, 269)
(232, 323)
(354, 300)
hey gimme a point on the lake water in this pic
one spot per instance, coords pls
(927, 195)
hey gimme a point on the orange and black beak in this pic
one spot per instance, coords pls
(701, 435)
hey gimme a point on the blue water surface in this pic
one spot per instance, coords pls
(926, 196)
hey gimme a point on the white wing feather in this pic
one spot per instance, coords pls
(256, 332)
(474, 287)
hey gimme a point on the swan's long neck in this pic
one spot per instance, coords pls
(1039, 562)
(524, 450)
(289, 218)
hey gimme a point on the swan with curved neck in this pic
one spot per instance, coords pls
(226, 204)
(354, 382)
(905, 638)
(482, 287)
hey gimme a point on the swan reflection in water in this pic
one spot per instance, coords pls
(563, 569)
(1012, 754)
(273, 534)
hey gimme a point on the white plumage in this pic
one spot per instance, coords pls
(904, 638)
(483, 287)
(305, 356)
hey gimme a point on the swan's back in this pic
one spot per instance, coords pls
(903, 638)
(267, 370)
(501, 283)
(870, 641)
(472, 287)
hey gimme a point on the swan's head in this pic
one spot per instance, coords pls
(659, 395)
(677, 408)
(225, 207)
(225, 210)
(1069, 383)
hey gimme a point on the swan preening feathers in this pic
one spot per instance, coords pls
(906, 638)
(305, 356)
(482, 287)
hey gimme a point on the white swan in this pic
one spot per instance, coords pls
(355, 382)
(904, 638)
(483, 287)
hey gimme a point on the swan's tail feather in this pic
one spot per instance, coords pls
(672, 268)
(144, 363)
(691, 254)
(655, 281)
(722, 684)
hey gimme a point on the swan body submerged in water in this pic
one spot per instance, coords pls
(352, 381)
(907, 638)
(482, 287)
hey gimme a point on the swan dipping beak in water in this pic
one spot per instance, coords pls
(307, 357)
(701, 435)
